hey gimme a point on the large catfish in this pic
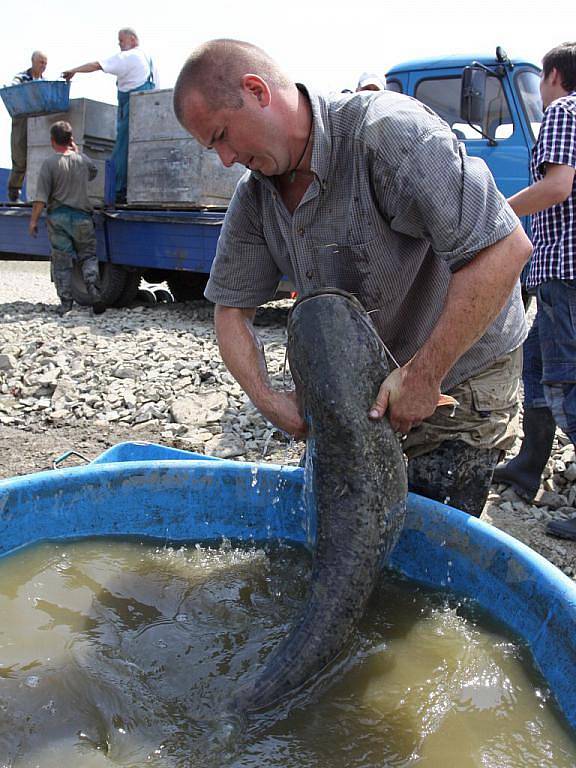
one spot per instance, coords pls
(358, 481)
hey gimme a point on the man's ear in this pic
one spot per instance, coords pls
(555, 77)
(255, 86)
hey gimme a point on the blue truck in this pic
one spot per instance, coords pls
(492, 104)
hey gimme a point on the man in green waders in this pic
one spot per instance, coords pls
(135, 71)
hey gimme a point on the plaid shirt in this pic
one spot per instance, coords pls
(395, 206)
(554, 229)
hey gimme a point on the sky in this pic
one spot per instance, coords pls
(325, 44)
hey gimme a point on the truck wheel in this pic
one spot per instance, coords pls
(130, 290)
(187, 286)
(112, 283)
(146, 297)
(163, 296)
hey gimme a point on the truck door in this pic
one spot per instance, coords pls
(509, 158)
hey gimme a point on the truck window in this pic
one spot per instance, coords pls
(394, 85)
(443, 96)
(528, 86)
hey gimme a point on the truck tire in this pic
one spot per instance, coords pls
(163, 296)
(112, 284)
(130, 290)
(146, 297)
(187, 286)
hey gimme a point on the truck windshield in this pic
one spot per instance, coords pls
(528, 85)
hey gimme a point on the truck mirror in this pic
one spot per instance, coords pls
(473, 95)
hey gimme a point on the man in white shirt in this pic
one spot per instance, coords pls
(135, 71)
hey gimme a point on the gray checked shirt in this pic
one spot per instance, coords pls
(395, 206)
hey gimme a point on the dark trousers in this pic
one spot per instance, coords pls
(19, 148)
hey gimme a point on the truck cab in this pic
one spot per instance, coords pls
(491, 103)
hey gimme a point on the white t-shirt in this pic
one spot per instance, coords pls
(132, 69)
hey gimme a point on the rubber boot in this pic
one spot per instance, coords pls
(455, 473)
(563, 529)
(65, 307)
(98, 306)
(524, 472)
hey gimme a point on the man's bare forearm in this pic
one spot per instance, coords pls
(243, 355)
(476, 295)
(91, 66)
(37, 208)
(242, 351)
(554, 188)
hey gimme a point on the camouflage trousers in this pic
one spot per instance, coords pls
(452, 455)
(72, 240)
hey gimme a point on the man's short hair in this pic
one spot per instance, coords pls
(562, 58)
(61, 132)
(129, 31)
(36, 54)
(215, 69)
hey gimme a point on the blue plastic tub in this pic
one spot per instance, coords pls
(37, 97)
(151, 491)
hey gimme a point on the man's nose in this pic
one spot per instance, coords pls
(227, 155)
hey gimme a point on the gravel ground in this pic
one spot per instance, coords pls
(153, 373)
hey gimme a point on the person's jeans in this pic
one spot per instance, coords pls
(549, 373)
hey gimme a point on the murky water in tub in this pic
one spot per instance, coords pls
(122, 654)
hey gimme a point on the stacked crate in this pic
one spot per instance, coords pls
(166, 166)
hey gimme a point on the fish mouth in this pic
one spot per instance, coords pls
(326, 293)
(341, 295)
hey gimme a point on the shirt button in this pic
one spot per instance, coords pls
(309, 274)
(300, 230)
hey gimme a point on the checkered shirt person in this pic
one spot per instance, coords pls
(554, 229)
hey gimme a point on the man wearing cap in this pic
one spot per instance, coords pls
(19, 134)
(135, 71)
(370, 82)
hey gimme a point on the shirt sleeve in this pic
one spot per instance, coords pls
(557, 139)
(243, 274)
(92, 168)
(114, 65)
(440, 194)
(43, 184)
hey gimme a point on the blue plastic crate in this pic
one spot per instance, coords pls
(37, 97)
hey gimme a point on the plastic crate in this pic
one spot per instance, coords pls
(37, 97)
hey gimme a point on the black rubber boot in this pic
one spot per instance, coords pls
(563, 529)
(524, 472)
(65, 307)
(98, 306)
(455, 473)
